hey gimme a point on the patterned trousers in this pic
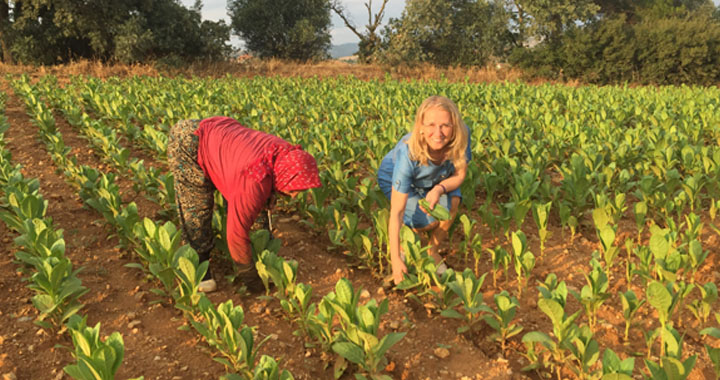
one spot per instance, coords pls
(194, 192)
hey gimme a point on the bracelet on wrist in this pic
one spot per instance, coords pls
(443, 187)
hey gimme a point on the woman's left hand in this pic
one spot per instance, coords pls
(433, 196)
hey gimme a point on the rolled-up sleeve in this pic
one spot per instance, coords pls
(403, 171)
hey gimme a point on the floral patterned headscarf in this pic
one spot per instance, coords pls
(292, 168)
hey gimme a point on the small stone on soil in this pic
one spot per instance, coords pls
(133, 324)
(441, 352)
(9, 376)
(364, 294)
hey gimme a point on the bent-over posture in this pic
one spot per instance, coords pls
(247, 167)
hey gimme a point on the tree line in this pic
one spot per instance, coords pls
(596, 41)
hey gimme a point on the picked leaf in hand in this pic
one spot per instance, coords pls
(439, 212)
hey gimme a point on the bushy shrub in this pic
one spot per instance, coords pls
(670, 50)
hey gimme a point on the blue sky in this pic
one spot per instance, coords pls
(216, 10)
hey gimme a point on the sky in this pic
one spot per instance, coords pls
(217, 9)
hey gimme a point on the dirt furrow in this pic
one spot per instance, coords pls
(118, 298)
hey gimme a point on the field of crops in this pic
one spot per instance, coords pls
(586, 245)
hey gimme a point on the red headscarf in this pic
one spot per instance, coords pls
(292, 168)
(295, 170)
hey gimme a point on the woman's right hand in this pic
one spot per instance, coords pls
(398, 269)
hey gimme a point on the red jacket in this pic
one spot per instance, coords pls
(226, 152)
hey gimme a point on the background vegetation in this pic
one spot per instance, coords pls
(595, 41)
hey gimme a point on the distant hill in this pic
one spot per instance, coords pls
(343, 50)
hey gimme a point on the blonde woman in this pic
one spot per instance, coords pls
(430, 162)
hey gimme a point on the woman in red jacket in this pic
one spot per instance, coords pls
(248, 167)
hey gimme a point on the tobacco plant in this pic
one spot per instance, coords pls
(696, 256)
(224, 330)
(299, 309)
(671, 365)
(358, 340)
(567, 219)
(615, 369)
(159, 246)
(594, 293)
(586, 352)
(283, 273)
(630, 307)
(39, 241)
(523, 189)
(467, 244)
(541, 213)
(267, 369)
(501, 320)
(95, 359)
(664, 299)
(555, 350)
(614, 208)
(701, 308)
(58, 290)
(645, 263)
(500, 259)
(640, 211)
(189, 273)
(523, 259)
(422, 273)
(668, 260)
(21, 206)
(606, 229)
(713, 352)
(468, 290)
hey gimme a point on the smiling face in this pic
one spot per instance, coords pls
(437, 128)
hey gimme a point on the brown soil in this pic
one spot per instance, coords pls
(156, 348)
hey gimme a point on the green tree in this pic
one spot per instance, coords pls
(5, 32)
(538, 20)
(635, 9)
(288, 29)
(370, 40)
(56, 31)
(447, 32)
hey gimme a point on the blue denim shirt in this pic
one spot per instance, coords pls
(410, 177)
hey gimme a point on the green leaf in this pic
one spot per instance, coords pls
(350, 352)
(552, 309)
(659, 297)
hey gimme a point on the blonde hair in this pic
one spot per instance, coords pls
(455, 149)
